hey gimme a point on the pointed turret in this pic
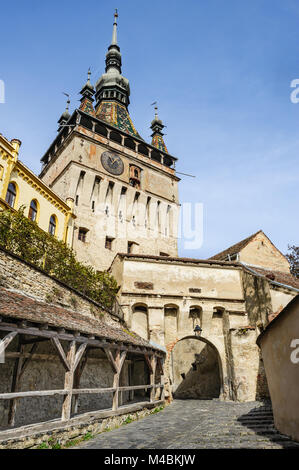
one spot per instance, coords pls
(112, 85)
(157, 127)
(65, 115)
(113, 90)
(87, 99)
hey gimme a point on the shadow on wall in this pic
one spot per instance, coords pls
(262, 390)
(196, 372)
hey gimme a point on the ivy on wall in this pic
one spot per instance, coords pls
(24, 238)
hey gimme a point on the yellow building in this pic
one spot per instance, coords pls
(19, 186)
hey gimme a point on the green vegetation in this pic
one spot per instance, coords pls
(128, 420)
(157, 409)
(24, 238)
(293, 259)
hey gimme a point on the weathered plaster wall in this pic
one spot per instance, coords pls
(280, 298)
(228, 301)
(178, 278)
(282, 370)
(261, 252)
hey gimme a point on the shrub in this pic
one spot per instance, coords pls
(24, 238)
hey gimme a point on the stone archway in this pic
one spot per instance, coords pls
(196, 369)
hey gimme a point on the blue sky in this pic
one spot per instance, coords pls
(221, 72)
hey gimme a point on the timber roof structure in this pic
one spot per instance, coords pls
(17, 306)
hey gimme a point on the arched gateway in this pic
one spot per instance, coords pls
(196, 369)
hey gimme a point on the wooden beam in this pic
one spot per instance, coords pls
(79, 354)
(28, 359)
(77, 377)
(149, 362)
(7, 340)
(89, 391)
(118, 364)
(15, 384)
(98, 343)
(68, 382)
(152, 377)
(39, 393)
(57, 345)
(111, 359)
(161, 362)
(116, 381)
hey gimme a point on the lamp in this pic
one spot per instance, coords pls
(197, 330)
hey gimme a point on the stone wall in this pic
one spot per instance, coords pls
(55, 435)
(46, 372)
(21, 276)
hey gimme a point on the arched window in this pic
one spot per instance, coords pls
(52, 225)
(195, 314)
(11, 194)
(171, 314)
(140, 320)
(33, 210)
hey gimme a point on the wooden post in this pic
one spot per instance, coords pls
(116, 382)
(162, 380)
(15, 384)
(152, 377)
(117, 364)
(68, 382)
(77, 378)
(131, 375)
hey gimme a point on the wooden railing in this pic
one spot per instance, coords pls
(74, 361)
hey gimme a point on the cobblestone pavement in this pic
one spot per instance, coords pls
(197, 424)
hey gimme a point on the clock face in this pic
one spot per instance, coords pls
(112, 163)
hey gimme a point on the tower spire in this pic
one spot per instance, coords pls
(87, 99)
(112, 86)
(65, 115)
(113, 90)
(114, 32)
(157, 127)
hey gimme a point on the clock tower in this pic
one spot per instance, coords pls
(123, 189)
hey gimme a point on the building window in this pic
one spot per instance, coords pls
(108, 243)
(92, 206)
(11, 194)
(130, 247)
(135, 176)
(52, 225)
(33, 210)
(77, 200)
(82, 234)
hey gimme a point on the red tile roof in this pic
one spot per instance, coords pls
(19, 306)
(278, 276)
